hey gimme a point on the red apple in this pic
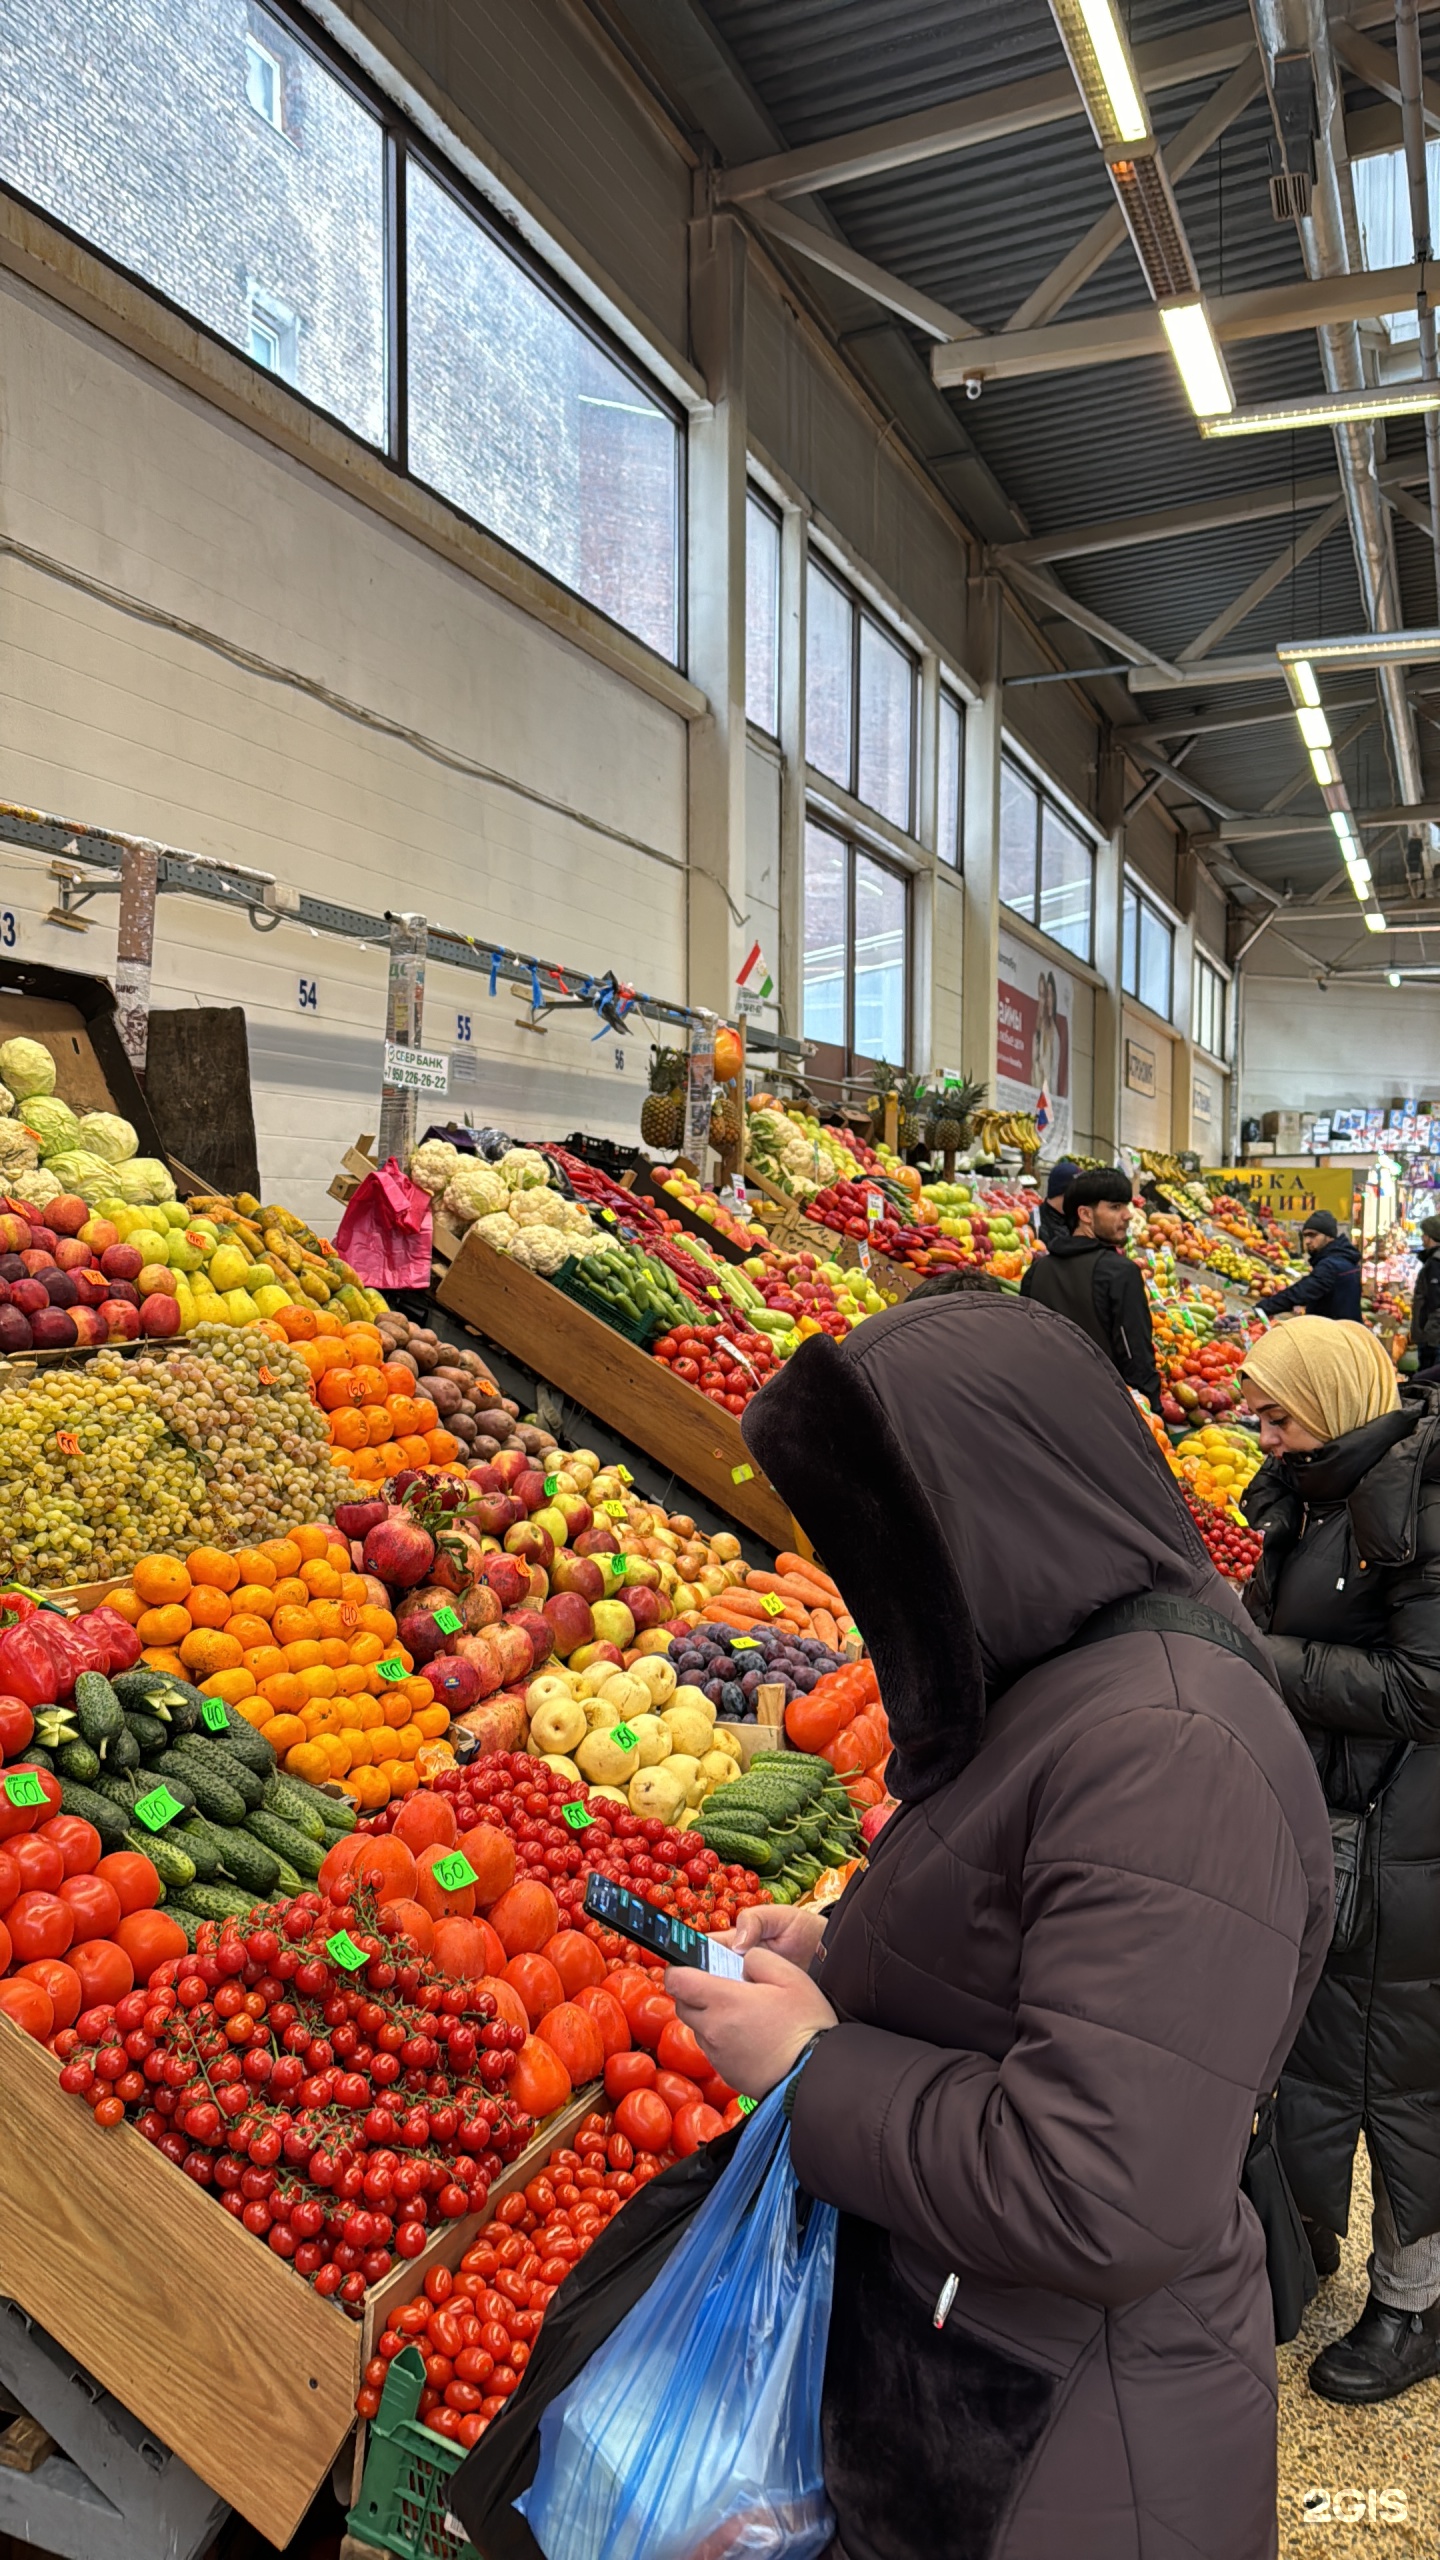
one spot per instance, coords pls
(99, 1234)
(575, 1511)
(599, 1541)
(578, 1573)
(485, 1480)
(121, 1322)
(128, 1295)
(29, 1296)
(72, 1255)
(121, 1262)
(60, 1289)
(15, 1333)
(529, 1488)
(67, 1214)
(88, 1325)
(36, 1258)
(159, 1315)
(508, 1576)
(602, 1650)
(528, 1540)
(493, 1513)
(53, 1329)
(14, 1232)
(645, 1606)
(44, 1239)
(510, 1465)
(570, 1618)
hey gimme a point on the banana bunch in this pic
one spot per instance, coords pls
(997, 1129)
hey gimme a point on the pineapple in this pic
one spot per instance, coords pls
(950, 1116)
(727, 1122)
(662, 1113)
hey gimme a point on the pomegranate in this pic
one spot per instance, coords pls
(456, 1683)
(399, 1551)
(357, 1519)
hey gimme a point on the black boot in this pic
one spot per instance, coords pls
(1385, 2352)
(1324, 2247)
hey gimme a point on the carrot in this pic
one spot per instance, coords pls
(789, 1586)
(809, 1570)
(823, 1625)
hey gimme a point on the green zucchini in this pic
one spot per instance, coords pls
(287, 1842)
(201, 1844)
(295, 1803)
(249, 1864)
(216, 1901)
(213, 1797)
(204, 1751)
(172, 1864)
(77, 1760)
(150, 1732)
(98, 1712)
(91, 1806)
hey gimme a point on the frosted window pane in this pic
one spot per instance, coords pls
(887, 719)
(948, 798)
(829, 640)
(1018, 820)
(762, 617)
(1066, 870)
(879, 962)
(824, 966)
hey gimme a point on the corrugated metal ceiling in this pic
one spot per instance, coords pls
(979, 230)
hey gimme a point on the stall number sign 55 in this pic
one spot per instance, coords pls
(307, 995)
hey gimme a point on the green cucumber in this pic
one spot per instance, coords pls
(98, 1712)
(203, 1750)
(249, 1864)
(336, 1812)
(242, 1741)
(77, 1760)
(122, 1752)
(55, 1726)
(159, 1693)
(211, 1796)
(172, 1864)
(286, 1842)
(150, 1732)
(295, 1803)
(289, 1881)
(93, 1807)
(216, 1901)
(201, 1844)
(189, 1921)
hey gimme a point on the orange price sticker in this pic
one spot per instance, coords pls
(349, 1615)
(67, 1441)
(266, 1377)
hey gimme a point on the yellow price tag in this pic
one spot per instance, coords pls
(741, 1475)
(772, 1604)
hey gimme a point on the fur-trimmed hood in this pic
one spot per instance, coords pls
(979, 1482)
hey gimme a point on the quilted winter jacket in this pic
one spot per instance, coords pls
(1080, 1951)
(1348, 1591)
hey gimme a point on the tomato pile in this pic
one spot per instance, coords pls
(1233, 1549)
(728, 1371)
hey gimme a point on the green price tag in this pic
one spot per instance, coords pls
(576, 1815)
(773, 1605)
(391, 1670)
(551, 1486)
(24, 1788)
(455, 1872)
(625, 1736)
(624, 1475)
(447, 1619)
(740, 1475)
(746, 2106)
(213, 1715)
(744, 1644)
(342, 1950)
(613, 1510)
(158, 1808)
(618, 1566)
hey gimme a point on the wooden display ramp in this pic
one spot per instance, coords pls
(621, 1385)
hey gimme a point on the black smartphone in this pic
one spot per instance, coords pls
(664, 1935)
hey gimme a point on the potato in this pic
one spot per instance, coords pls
(658, 1676)
(558, 1724)
(688, 1696)
(654, 1739)
(689, 1731)
(603, 1763)
(658, 1793)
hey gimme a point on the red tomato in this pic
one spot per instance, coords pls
(29, 2006)
(608, 2015)
(40, 1861)
(40, 1924)
(95, 1903)
(678, 2050)
(644, 2120)
(574, 2035)
(6, 1950)
(62, 1984)
(78, 1842)
(9, 1878)
(627, 2071)
(695, 2125)
(133, 1877)
(17, 1725)
(149, 1938)
(441, 1901)
(24, 1817)
(650, 2017)
(629, 1983)
(576, 1959)
(524, 1918)
(676, 2090)
(106, 1972)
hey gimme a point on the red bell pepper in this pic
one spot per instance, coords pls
(27, 1665)
(121, 1638)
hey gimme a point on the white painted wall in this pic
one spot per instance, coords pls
(1343, 1048)
(118, 474)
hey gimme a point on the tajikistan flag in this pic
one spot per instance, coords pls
(754, 975)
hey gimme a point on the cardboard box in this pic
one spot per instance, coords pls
(1283, 1127)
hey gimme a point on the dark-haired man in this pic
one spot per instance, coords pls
(1086, 1275)
(1331, 1286)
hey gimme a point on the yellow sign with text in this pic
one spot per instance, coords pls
(1288, 1190)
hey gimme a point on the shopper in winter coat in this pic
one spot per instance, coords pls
(1085, 1274)
(1348, 1591)
(1331, 1286)
(1425, 1303)
(1032, 2042)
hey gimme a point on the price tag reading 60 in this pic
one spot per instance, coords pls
(342, 1950)
(23, 1788)
(576, 1815)
(453, 1873)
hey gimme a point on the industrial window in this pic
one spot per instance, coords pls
(1207, 1027)
(856, 957)
(950, 794)
(859, 700)
(762, 614)
(1047, 867)
(425, 330)
(1147, 952)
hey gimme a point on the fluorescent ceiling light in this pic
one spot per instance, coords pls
(1314, 727)
(1299, 658)
(1343, 824)
(1323, 765)
(1200, 364)
(1375, 921)
(1302, 681)
(1392, 977)
(1360, 878)
(1104, 71)
(1328, 409)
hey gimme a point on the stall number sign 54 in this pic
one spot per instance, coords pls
(307, 995)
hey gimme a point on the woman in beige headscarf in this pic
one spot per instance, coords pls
(1348, 1592)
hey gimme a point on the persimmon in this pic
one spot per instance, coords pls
(541, 2083)
(386, 1866)
(574, 2035)
(409, 1920)
(537, 1983)
(508, 2003)
(524, 1918)
(443, 1902)
(609, 2017)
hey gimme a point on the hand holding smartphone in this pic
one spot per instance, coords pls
(663, 1934)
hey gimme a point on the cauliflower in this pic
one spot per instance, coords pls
(522, 1168)
(27, 1067)
(541, 1249)
(107, 1135)
(84, 1176)
(7, 1099)
(474, 1190)
(142, 1181)
(434, 1162)
(497, 1229)
(573, 1216)
(536, 1208)
(54, 1124)
(18, 1151)
(37, 1188)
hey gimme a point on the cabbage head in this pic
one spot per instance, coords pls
(475, 1190)
(18, 1151)
(37, 1188)
(520, 1168)
(27, 1067)
(107, 1135)
(433, 1163)
(54, 1124)
(85, 1176)
(143, 1180)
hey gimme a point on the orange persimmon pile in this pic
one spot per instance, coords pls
(379, 1421)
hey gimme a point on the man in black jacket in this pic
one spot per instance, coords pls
(1425, 1304)
(1331, 1286)
(1086, 1276)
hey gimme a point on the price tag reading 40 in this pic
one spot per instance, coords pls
(448, 1620)
(23, 1788)
(342, 1950)
(392, 1670)
(213, 1715)
(158, 1808)
(454, 1872)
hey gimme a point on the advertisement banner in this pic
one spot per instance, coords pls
(1032, 1042)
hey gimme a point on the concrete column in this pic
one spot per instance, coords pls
(139, 872)
(1109, 1022)
(792, 771)
(1182, 1006)
(979, 978)
(404, 1029)
(716, 620)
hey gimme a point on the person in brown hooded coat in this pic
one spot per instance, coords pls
(1033, 2034)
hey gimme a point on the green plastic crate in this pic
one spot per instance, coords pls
(404, 2496)
(570, 1282)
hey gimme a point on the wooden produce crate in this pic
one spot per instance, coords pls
(619, 1384)
(228, 2356)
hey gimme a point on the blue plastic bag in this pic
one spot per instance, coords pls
(694, 2432)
